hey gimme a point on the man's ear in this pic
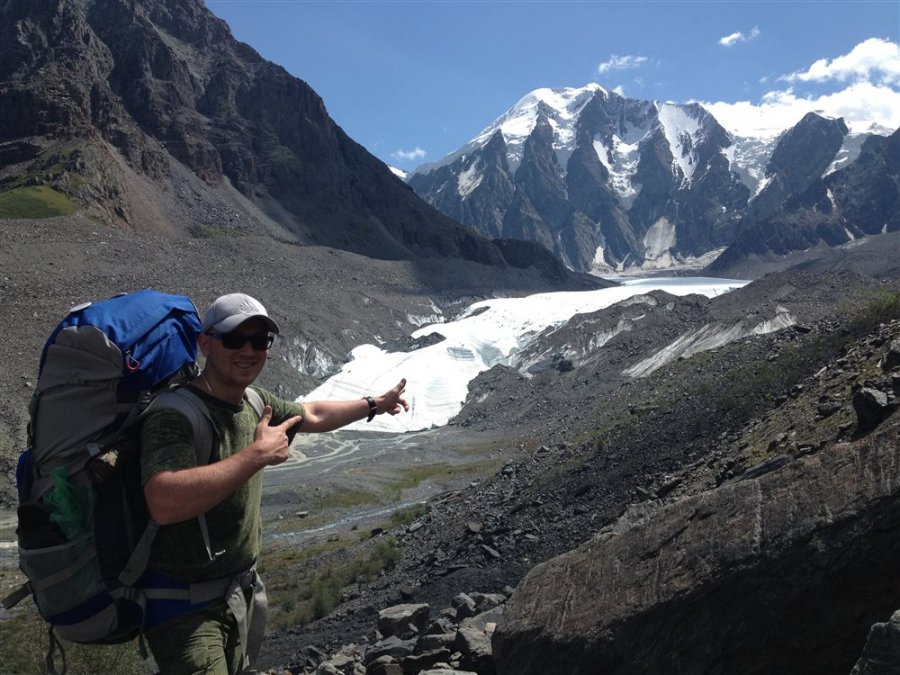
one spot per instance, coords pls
(203, 342)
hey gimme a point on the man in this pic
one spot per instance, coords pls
(209, 633)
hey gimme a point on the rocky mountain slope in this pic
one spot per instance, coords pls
(587, 442)
(862, 199)
(607, 182)
(150, 115)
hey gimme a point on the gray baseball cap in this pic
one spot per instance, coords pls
(230, 311)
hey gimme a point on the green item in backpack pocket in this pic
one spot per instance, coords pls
(70, 506)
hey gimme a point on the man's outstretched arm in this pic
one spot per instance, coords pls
(331, 415)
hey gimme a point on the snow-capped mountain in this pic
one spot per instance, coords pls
(610, 183)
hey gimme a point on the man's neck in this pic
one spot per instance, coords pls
(217, 389)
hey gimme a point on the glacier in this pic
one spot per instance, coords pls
(490, 332)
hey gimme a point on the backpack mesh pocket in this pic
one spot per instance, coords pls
(63, 576)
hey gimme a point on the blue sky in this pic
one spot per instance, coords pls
(414, 80)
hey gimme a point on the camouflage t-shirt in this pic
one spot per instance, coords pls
(235, 528)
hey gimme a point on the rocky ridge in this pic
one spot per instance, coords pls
(612, 183)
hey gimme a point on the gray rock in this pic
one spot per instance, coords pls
(891, 360)
(384, 669)
(881, 655)
(871, 406)
(419, 662)
(481, 621)
(828, 409)
(492, 552)
(440, 625)
(399, 619)
(464, 606)
(392, 646)
(436, 641)
(486, 601)
(816, 544)
(476, 649)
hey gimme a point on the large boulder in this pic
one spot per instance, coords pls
(784, 572)
(881, 655)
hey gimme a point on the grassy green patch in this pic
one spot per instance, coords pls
(298, 595)
(403, 517)
(216, 231)
(882, 308)
(391, 493)
(24, 642)
(345, 499)
(36, 201)
(415, 475)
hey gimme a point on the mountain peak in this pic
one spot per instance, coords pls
(560, 106)
(610, 182)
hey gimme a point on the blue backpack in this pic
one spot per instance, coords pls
(83, 532)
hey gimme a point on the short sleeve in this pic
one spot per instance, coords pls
(166, 444)
(281, 409)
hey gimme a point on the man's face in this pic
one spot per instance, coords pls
(239, 366)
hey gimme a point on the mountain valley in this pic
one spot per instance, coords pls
(626, 488)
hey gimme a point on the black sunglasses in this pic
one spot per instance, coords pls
(259, 342)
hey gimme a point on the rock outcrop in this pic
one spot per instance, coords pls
(783, 572)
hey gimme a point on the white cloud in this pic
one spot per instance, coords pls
(734, 38)
(871, 60)
(860, 104)
(409, 155)
(620, 63)
(860, 86)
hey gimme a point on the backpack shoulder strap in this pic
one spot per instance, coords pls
(255, 400)
(191, 406)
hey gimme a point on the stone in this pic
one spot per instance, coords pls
(891, 360)
(464, 606)
(492, 552)
(441, 625)
(477, 653)
(385, 669)
(480, 621)
(828, 409)
(665, 582)
(486, 601)
(391, 646)
(398, 619)
(419, 662)
(436, 641)
(881, 654)
(871, 406)
(340, 664)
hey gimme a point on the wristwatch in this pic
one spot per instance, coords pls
(373, 409)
